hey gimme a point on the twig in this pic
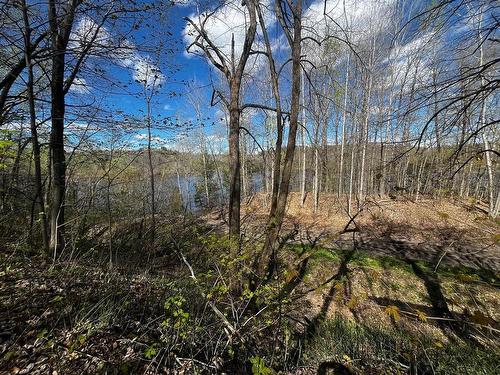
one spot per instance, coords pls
(214, 308)
(442, 256)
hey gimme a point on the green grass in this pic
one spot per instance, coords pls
(326, 254)
(375, 350)
(364, 259)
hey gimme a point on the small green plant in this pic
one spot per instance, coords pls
(259, 367)
(151, 351)
(177, 316)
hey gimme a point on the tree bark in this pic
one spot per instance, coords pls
(344, 115)
(33, 127)
(60, 32)
(275, 221)
(303, 141)
(234, 161)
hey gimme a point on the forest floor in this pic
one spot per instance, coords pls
(419, 288)
(452, 232)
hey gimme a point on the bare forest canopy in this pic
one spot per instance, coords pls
(230, 142)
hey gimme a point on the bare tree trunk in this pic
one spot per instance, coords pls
(324, 182)
(496, 209)
(233, 75)
(303, 141)
(151, 172)
(58, 156)
(344, 116)
(205, 168)
(316, 181)
(385, 144)
(364, 131)
(110, 217)
(489, 169)
(60, 30)
(268, 172)
(482, 115)
(39, 195)
(275, 221)
(436, 110)
(419, 177)
(351, 180)
(234, 161)
(244, 169)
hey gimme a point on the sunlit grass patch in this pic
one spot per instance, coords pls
(326, 254)
(376, 349)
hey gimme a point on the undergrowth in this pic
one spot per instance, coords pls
(394, 351)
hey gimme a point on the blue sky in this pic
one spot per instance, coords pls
(180, 72)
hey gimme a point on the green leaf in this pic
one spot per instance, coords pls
(150, 352)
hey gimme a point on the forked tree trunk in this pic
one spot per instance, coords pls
(266, 261)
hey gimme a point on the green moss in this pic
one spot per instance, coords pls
(393, 264)
(326, 254)
(466, 274)
(361, 260)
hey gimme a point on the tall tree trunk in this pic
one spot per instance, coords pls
(205, 167)
(364, 131)
(324, 183)
(60, 30)
(436, 109)
(110, 217)
(233, 74)
(303, 141)
(58, 156)
(34, 132)
(275, 221)
(344, 116)
(151, 173)
(351, 179)
(234, 162)
(316, 181)
(244, 169)
(482, 118)
(276, 165)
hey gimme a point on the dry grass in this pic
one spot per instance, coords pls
(391, 282)
(433, 227)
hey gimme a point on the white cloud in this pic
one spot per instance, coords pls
(142, 138)
(80, 86)
(356, 17)
(124, 53)
(183, 3)
(88, 31)
(410, 50)
(409, 65)
(147, 73)
(228, 22)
